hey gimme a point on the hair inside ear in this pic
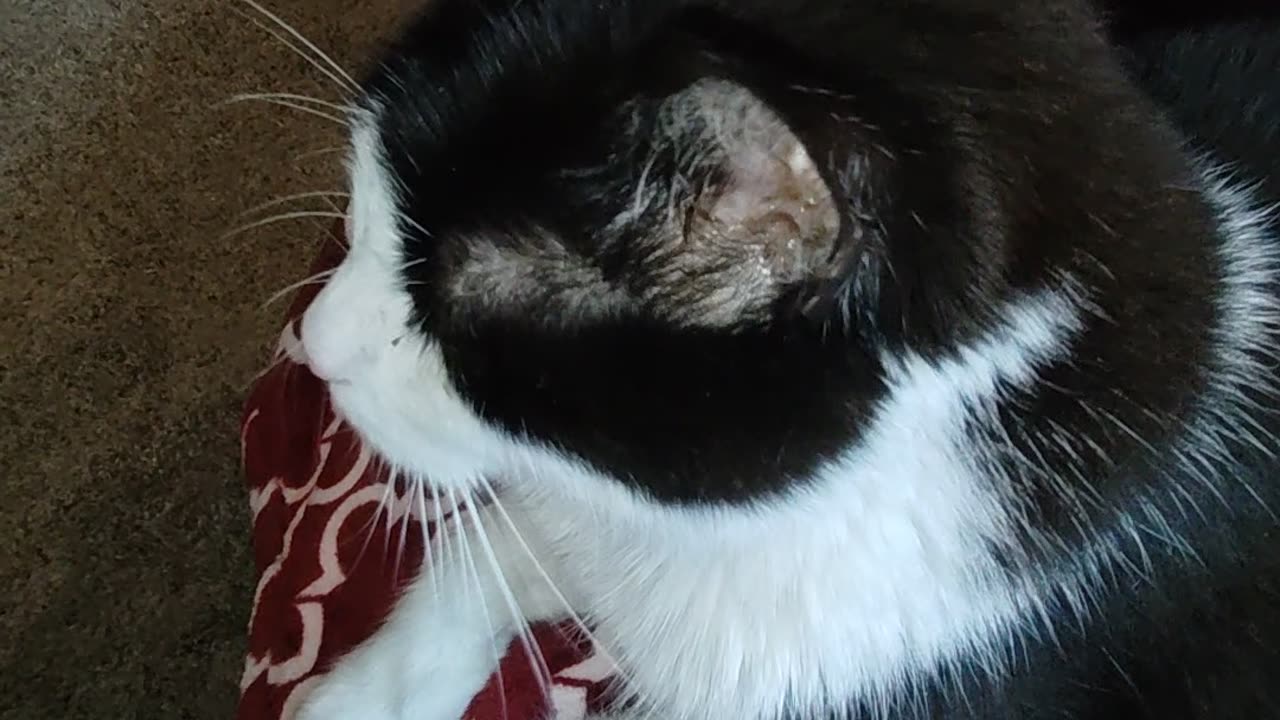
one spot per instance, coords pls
(724, 213)
(773, 197)
(760, 219)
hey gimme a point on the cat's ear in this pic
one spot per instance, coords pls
(770, 197)
(763, 231)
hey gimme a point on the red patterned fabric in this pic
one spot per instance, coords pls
(330, 564)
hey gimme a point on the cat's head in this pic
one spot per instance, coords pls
(666, 247)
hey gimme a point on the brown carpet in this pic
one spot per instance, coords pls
(129, 331)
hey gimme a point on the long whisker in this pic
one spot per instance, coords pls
(414, 223)
(528, 551)
(280, 218)
(300, 107)
(392, 498)
(292, 97)
(341, 236)
(285, 199)
(429, 555)
(577, 619)
(484, 607)
(410, 264)
(372, 522)
(342, 77)
(316, 279)
(279, 359)
(280, 356)
(533, 653)
(449, 547)
(329, 201)
(318, 152)
(300, 52)
(455, 545)
(439, 533)
(403, 528)
(324, 196)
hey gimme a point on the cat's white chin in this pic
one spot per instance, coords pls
(426, 433)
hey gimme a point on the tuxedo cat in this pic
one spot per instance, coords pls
(827, 359)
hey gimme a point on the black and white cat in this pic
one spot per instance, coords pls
(830, 359)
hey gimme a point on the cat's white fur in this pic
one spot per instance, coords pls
(877, 570)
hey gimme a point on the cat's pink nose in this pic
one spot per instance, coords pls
(338, 338)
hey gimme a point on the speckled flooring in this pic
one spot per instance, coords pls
(129, 331)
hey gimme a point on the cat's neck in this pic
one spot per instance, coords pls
(916, 548)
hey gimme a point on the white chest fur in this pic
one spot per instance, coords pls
(876, 569)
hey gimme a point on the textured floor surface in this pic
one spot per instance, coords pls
(129, 330)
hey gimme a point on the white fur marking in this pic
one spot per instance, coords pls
(883, 573)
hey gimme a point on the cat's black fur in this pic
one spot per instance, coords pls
(1219, 85)
(1136, 21)
(975, 149)
(1043, 90)
(1199, 639)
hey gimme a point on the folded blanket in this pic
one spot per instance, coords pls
(330, 563)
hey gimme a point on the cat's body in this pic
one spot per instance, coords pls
(834, 359)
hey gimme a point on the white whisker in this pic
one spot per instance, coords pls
(533, 653)
(403, 528)
(502, 511)
(428, 558)
(280, 218)
(410, 264)
(446, 545)
(413, 223)
(456, 544)
(578, 621)
(285, 199)
(318, 152)
(329, 201)
(392, 497)
(300, 52)
(316, 279)
(277, 361)
(484, 605)
(300, 107)
(335, 71)
(372, 522)
(496, 502)
(439, 529)
(291, 97)
(342, 238)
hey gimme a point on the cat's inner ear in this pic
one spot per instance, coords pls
(773, 196)
(759, 218)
